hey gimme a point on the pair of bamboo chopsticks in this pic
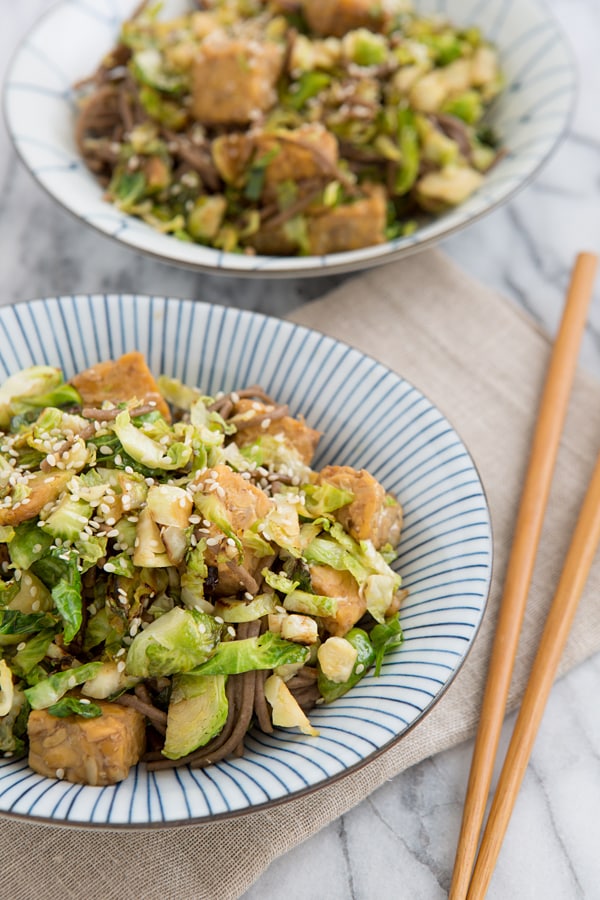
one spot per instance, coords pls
(473, 870)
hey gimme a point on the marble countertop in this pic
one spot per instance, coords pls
(400, 842)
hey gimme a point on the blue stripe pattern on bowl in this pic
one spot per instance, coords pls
(370, 417)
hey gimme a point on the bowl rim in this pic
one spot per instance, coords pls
(98, 298)
(298, 266)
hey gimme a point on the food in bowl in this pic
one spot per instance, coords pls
(290, 128)
(173, 571)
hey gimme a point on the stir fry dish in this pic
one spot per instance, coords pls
(173, 572)
(290, 127)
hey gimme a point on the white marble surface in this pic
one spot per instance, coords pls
(399, 842)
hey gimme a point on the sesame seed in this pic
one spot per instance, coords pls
(37, 548)
(51, 459)
(231, 542)
(22, 645)
(35, 605)
(8, 754)
(248, 596)
(231, 630)
(121, 665)
(219, 620)
(359, 669)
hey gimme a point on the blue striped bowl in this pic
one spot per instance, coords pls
(531, 116)
(371, 418)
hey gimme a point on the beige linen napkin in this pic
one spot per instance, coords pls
(482, 362)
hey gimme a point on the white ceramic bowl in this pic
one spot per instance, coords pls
(66, 44)
(371, 418)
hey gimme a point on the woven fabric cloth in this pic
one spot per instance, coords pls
(483, 363)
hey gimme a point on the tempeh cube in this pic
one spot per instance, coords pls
(96, 751)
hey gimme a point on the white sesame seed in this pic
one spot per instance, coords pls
(213, 541)
(121, 665)
(85, 700)
(359, 669)
(231, 630)
(219, 620)
(22, 645)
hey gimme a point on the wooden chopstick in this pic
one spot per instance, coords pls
(558, 624)
(534, 497)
